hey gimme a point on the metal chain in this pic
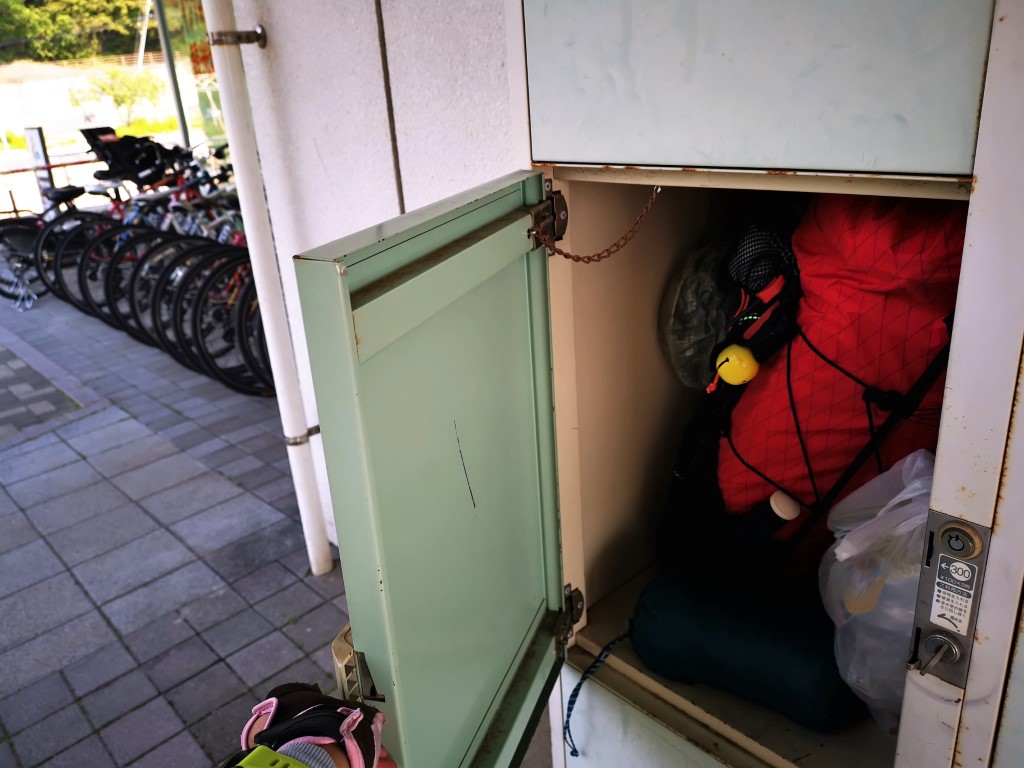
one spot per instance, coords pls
(612, 249)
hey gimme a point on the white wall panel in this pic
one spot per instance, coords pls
(874, 85)
(450, 88)
(318, 103)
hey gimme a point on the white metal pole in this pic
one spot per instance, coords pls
(143, 33)
(234, 99)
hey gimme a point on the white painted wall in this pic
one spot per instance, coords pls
(450, 88)
(319, 107)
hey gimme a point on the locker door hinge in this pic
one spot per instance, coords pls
(571, 613)
(354, 678)
(550, 218)
(359, 683)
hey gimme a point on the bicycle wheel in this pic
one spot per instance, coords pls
(187, 295)
(69, 252)
(169, 289)
(214, 332)
(142, 282)
(123, 262)
(93, 264)
(249, 328)
(19, 278)
(45, 247)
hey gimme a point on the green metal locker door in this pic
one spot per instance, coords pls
(429, 341)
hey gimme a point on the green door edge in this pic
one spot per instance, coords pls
(369, 264)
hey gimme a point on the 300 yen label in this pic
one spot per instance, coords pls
(954, 594)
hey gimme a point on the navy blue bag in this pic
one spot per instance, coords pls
(765, 643)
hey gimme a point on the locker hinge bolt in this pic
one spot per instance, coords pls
(572, 612)
(550, 219)
(237, 37)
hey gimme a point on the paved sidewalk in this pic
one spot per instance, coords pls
(153, 577)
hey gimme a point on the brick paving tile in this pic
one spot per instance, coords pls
(36, 462)
(17, 530)
(147, 480)
(89, 752)
(27, 565)
(217, 733)
(238, 631)
(264, 582)
(157, 636)
(288, 604)
(256, 550)
(120, 697)
(132, 565)
(110, 436)
(101, 533)
(319, 626)
(49, 652)
(35, 702)
(205, 692)
(21, 619)
(219, 525)
(99, 668)
(185, 499)
(213, 608)
(264, 657)
(63, 511)
(329, 584)
(180, 663)
(324, 658)
(181, 751)
(146, 604)
(57, 482)
(51, 735)
(141, 730)
(133, 455)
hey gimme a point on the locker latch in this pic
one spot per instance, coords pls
(572, 612)
(550, 217)
(949, 591)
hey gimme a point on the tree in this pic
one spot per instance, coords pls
(18, 28)
(68, 29)
(124, 86)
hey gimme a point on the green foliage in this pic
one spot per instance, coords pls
(18, 29)
(55, 30)
(142, 126)
(124, 86)
(15, 140)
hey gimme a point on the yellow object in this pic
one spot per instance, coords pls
(866, 599)
(736, 365)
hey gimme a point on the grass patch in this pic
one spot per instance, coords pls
(144, 127)
(15, 140)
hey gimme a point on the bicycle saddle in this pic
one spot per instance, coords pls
(59, 195)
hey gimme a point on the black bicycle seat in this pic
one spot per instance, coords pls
(59, 195)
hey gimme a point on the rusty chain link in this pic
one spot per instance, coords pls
(612, 249)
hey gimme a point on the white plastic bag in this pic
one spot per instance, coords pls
(869, 581)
